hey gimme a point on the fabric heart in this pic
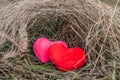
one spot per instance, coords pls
(40, 48)
(66, 59)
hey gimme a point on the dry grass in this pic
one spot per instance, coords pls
(111, 2)
(89, 24)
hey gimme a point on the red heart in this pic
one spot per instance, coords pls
(66, 59)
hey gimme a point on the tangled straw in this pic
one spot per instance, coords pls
(94, 23)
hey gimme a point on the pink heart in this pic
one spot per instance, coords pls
(40, 48)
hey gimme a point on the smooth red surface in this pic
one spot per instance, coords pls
(66, 59)
(40, 48)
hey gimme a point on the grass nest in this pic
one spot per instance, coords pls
(89, 24)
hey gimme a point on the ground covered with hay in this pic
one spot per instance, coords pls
(89, 24)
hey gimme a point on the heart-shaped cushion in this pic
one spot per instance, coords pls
(40, 48)
(66, 59)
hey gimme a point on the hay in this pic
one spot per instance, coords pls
(89, 24)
